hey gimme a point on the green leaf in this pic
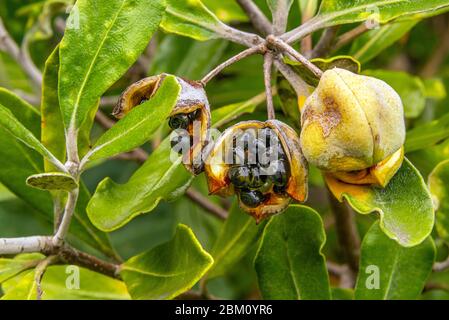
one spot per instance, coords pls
(109, 38)
(410, 88)
(191, 18)
(9, 268)
(239, 233)
(138, 125)
(373, 42)
(439, 187)
(334, 12)
(20, 132)
(402, 272)
(428, 134)
(92, 286)
(405, 206)
(435, 89)
(52, 181)
(167, 270)
(279, 13)
(289, 262)
(343, 62)
(226, 11)
(52, 126)
(159, 178)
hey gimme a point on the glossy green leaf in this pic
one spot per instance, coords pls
(405, 206)
(389, 271)
(373, 42)
(92, 286)
(410, 88)
(428, 134)
(11, 124)
(167, 270)
(343, 62)
(52, 181)
(289, 262)
(113, 205)
(52, 126)
(439, 187)
(279, 13)
(9, 268)
(108, 39)
(138, 126)
(226, 11)
(239, 234)
(191, 18)
(335, 12)
(435, 89)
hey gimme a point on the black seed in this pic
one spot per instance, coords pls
(194, 115)
(251, 198)
(239, 176)
(280, 176)
(179, 121)
(256, 179)
(143, 100)
(279, 189)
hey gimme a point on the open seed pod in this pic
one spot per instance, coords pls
(353, 127)
(191, 114)
(262, 163)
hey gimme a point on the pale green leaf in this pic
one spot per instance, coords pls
(279, 13)
(389, 271)
(9, 268)
(167, 270)
(52, 181)
(439, 187)
(428, 134)
(289, 262)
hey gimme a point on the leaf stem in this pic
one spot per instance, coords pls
(324, 45)
(349, 36)
(244, 54)
(278, 43)
(39, 273)
(267, 65)
(69, 210)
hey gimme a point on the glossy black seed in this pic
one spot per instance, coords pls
(180, 143)
(279, 189)
(143, 100)
(194, 115)
(280, 176)
(256, 179)
(179, 121)
(251, 198)
(240, 176)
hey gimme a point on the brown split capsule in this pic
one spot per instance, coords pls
(262, 163)
(191, 113)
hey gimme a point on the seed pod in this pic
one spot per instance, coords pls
(351, 122)
(191, 113)
(255, 189)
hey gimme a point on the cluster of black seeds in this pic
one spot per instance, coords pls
(182, 141)
(259, 166)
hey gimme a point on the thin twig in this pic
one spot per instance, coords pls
(39, 273)
(303, 30)
(441, 266)
(278, 43)
(349, 36)
(244, 54)
(295, 80)
(108, 101)
(207, 205)
(267, 65)
(325, 43)
(59, 236)
(103, 120)
(256, 16)
(348, 236)
(306, 15)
